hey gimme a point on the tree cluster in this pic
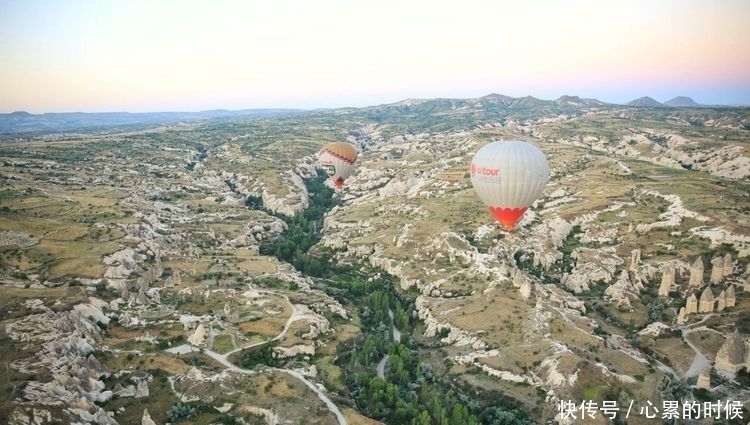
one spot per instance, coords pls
(303, 231)
(409, 392)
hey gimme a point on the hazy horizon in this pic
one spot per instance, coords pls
(336, 107)
(184, 56)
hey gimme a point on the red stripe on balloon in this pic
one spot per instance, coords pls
(347, 160)
(508, 217)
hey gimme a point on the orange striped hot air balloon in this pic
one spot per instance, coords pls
(338, 159)
(509, 176)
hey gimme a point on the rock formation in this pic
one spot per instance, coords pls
(124, 291)
(141, 380)
(121, 391)
(525, 290)
(717, 270)
(199, 336)
(726, 298)
(174, 280)
(667, 280)
(317, 322)
(691, 306)
(677, 151)
(706, 302)
(728, 265)
(67, 342)
(732, 354)
(681, 316)
(295, 350)
(296, 199)
(635, 259)
(729, 296)
(704, 378)
(696, 273)
(518, 278)
(123, 263)
(141, 390)
(590, 268)
(146, 418)
(721, 301)
(675, 214)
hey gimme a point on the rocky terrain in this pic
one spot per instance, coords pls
(136, 285)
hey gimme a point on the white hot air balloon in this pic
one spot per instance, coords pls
(338, 159)
(509, 176)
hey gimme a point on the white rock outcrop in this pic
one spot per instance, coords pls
(667, 279)
(67, 342)
(732, 355)
(691, 305)
(696, 273)
(198, 337)
(706, 302)
(717, 270)
(296, 200)
(146, 418)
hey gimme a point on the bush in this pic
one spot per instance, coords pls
(181, 411)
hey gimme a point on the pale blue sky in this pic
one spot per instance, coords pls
(138, 55)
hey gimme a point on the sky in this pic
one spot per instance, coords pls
(185, 55)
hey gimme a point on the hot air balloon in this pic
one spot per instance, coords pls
(338, 159)
(509, 176)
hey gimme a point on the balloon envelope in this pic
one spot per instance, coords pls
(338, 159)
(509, 176)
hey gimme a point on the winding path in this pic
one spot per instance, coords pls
(700, 361)
(224, 361)
(396, 337)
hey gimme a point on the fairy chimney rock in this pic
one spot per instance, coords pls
(525, 289)
(731, 355)
(706, 303)
(721, 301)
(728, 265)
(696, 273)
(704, 378)
(681, 316)
(717, 270)
(146, 418)
(730, 297)
(141, 390)
(667, 280)
(691, 307)
(635, 259)
(518, 279)
(199, 336)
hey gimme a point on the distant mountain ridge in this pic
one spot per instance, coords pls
(24, 122)
(575, 100)
(676, 102)
(645, 102)
(683, 102)
(498, 106)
